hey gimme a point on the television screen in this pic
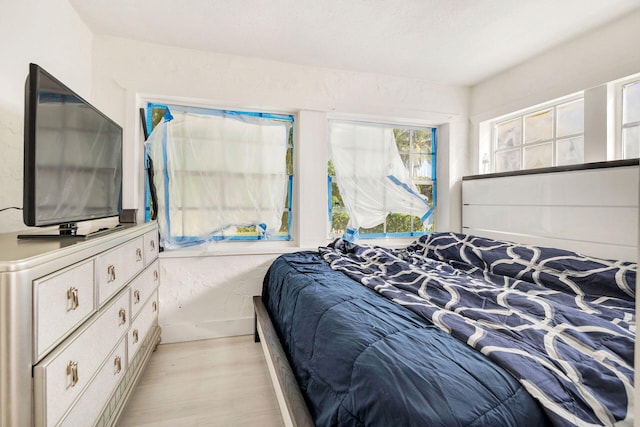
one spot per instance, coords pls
(72, 156)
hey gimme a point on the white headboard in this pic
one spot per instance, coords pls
(591, 208)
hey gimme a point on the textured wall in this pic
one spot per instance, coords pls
(207, 294)
(48, 33)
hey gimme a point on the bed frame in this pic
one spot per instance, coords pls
(597, 200)
(292, 404)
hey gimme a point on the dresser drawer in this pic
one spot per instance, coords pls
(116, 267)
(150, 246)
(141, 325)
(142, 287)
(60, 378)
(61, 301)
(92, 402)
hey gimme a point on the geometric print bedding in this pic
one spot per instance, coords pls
(560, 322)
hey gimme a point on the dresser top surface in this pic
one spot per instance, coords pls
(19, 254)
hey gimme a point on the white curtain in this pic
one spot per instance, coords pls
(370, 174)
(214, 173)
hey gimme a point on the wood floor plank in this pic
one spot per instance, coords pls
(209, 383)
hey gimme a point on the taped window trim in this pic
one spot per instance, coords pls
(260, 233)
(430, 204)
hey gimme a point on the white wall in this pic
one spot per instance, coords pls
(209, 294)
(48, 33)
(602, 55)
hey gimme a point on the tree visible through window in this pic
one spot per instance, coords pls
(417, 150)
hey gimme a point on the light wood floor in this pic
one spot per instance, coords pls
(219, 382)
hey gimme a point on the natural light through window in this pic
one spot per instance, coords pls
(390, 188)
(631, 120)
(553, 136)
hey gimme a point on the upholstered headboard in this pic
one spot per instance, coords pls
(591, 208)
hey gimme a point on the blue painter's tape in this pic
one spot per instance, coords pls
(424, 217)
(406, 187)
(351, 234)
(225, 113)
(167, 115)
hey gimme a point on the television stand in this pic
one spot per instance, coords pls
(70, 231)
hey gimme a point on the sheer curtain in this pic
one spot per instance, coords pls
(371, 176)
(218, 171)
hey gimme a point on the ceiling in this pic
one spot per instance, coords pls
(458, 42)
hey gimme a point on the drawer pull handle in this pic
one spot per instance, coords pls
(117, 364)
(156, 276)
(136, 297)
(72, 298)
(135, 336)
(138, 254)
(152, 243)
(123, 316)
(154, 306)
(72, 373)
(111, 273)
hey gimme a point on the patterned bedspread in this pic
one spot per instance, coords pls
(563, 324)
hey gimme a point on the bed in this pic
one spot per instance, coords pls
(451, 330)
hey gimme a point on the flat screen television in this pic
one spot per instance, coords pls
(72, 158)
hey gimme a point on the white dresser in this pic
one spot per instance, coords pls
(78, 323)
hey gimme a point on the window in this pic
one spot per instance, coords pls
(221, 175)
(410, 156)
(552, 136)
(631, 120)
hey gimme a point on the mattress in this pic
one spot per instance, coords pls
(362, 360)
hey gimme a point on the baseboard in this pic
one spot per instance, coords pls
(181, 332)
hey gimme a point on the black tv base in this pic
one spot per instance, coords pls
(70, 231)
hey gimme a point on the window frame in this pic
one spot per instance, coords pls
(619, 117)
(433, 182)
(521, 116)
(246, 236)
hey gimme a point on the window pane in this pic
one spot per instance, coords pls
(422, 167)
(413, 147)
(507, 161)
(508, 134)
(199, 168)
(339, 216)
(539, 156)
(156, 116)
(570, 151)
(631, 142)
(538, 126)
(422, 141)
(377, 229)
(570, 118)
(406, 160)
(399, 223)
(289, 160)
(402, 139)
(284, 225)
(631, 103)
(427, 191)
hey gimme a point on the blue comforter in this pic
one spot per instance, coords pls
(561, 323)
(363, 360)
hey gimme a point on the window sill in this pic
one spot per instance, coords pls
(239, 248)
(235, 248)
